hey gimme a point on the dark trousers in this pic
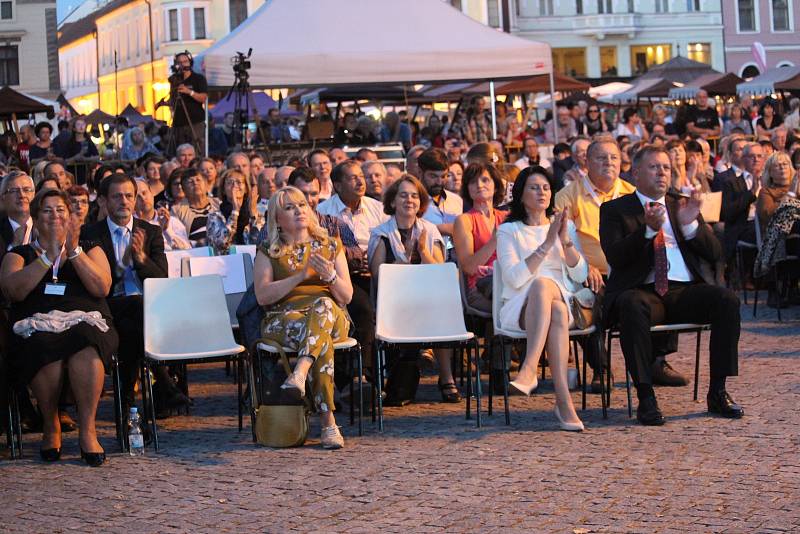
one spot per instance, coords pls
(636, 310)
(363, 315)
(128, 313)
(194, 135)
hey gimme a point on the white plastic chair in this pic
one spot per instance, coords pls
(186, 322)
(236, 272)
(419, 306)
(244, 249)
(174, 258)
(502, 333)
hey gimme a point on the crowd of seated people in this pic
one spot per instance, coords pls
(608, 211)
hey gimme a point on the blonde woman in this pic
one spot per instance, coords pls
(777, 180)
(301, 274)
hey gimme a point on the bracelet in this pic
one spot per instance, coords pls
(46, 262)
(568, 244)
(192, 93)
(332, 279)
(539, 252)
(75, 253)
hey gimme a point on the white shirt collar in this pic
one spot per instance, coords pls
(644, 199)
(15, 224)
(112, 226)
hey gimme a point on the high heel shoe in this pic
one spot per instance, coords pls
(522, 388)
(93, 459)
(569, 427)
(50, 455)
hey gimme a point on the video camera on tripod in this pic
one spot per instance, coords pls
(241, 64)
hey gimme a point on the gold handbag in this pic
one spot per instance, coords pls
(281, 425)
(582, 306)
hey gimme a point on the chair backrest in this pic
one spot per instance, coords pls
(185, 315)
(468, 309)
(419, 302)
(497, 295)
(174, 258)
(758, 231)
(244, 249)
(236, 272)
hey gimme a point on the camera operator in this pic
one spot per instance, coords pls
(188, 92)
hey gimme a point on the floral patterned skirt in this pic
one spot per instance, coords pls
(310, 325)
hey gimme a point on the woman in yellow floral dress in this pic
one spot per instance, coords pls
(301, 276)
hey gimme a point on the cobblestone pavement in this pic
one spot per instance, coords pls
(432, 471)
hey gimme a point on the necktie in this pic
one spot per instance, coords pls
(660, 249)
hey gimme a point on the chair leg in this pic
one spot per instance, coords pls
(239, 369)
(251, 387)
(360, 390)
(379, 382)
(478, 391)
(505, 382)
(583, 380)
(351, 374)
(468, 395)
(577, 363)
(150, 404)
(697, 365)
(119, 417)
(491, 373)
(607, 377)
(628, 391)
(14, 425)
(740, 274)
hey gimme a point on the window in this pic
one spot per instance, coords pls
(604, 6)
(579, 7)
(780, 16)
(608, 61)
(662, 6)
(692, 5)
(700, 52)
(173, 25)
(238, 12)
(645, 56)
(6, 12)
(199, 23)
(545, 7)
(747, 16)
(630, 6)
(570, 61)
(9, 65)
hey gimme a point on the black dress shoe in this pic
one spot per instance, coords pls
(722, 404)
(664, 375)
(648, 413)
(93, 459)
(597, 385)
(50, 455)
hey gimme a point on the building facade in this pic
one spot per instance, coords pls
(28, 46)
(773, 23)
(122, 53)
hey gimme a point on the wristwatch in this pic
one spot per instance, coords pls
(75, 253)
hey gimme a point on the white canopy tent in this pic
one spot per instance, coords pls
(765, 84)
(312, 43)
(316, 43)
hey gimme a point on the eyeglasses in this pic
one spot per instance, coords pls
(593, 111)
(20, 190)
(50, 211)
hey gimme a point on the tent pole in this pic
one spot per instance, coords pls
(205, 133)
(494, 116)
(553, 105)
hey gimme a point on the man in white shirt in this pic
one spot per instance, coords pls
(361, 213)
(173, 230)
(658, 248)
(444, 207)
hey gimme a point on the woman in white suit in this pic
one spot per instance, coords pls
(541, 269)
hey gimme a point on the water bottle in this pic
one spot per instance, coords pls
(135, 437)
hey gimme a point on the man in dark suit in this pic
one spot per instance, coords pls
(738, 200)
(656, 244)
(734, 155)
(135, 252)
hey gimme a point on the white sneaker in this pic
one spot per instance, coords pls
(331, 438)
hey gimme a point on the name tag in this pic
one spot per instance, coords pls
(55, 289)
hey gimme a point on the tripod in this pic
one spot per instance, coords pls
(174, 99)
(242, 99)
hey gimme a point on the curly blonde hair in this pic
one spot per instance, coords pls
(276, 244)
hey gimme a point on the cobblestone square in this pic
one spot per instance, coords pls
(432, 471)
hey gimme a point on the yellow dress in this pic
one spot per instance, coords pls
(308, 320)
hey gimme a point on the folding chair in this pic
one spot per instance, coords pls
(349, 345)
(236, 272)
(186, 322)
(174, 258)
(502, 334)
(250, 250)
(418, 307)
(13, 425)
(679, 328)
(479, 318)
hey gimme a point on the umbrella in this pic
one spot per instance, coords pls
(133, 116)
(678, 69)
(100, 117)
(541, 84)
(260, 102)
(14, 103)
(714, 84)
(779, 78)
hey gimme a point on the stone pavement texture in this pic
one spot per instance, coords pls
(432, 471)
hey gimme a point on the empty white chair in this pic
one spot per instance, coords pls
(174, 258)
(420, 305)
(185, 321)
(236, 272)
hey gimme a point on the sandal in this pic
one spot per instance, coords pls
(449, 392)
